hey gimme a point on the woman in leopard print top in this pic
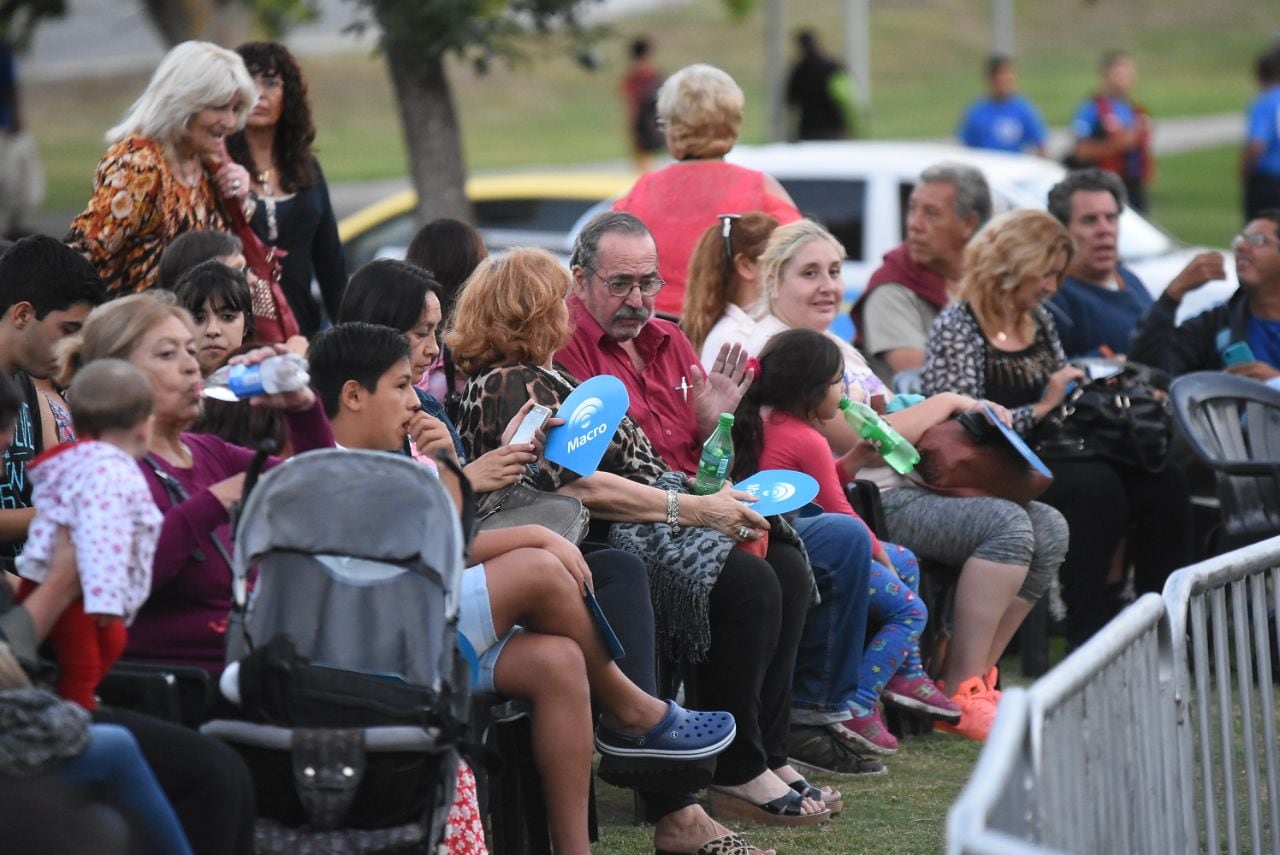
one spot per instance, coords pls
(1000, 343)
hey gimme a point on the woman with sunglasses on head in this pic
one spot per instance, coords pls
(700, 111)
(724, 282)
(292, 211)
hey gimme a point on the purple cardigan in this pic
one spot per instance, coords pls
(184, 621)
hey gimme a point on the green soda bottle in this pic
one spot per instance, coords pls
(717, 455)
(868, 424)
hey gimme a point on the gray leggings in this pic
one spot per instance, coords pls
(952, 530)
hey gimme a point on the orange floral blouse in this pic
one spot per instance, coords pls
(138, 206)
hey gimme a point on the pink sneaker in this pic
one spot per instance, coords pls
(866, 730)
(919, 693)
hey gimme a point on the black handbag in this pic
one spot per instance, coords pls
(1124, 419)
(521, 504)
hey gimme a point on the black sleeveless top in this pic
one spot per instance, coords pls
(1018, 378)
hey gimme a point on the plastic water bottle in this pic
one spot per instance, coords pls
(868, 424)
(717, 455)
(284, 373)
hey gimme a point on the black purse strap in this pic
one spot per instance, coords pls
(452, 397)
(177, 495)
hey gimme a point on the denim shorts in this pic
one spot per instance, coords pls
(477, 638)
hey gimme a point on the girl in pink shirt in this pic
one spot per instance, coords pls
(799, 382)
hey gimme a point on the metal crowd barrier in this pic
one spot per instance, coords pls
(1157, 736)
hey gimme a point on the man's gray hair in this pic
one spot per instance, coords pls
(973, 196)
(1091, 180)
(586, 249)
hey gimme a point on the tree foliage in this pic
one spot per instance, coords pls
(19, 18)
(175, 20)
(475, 29)
(417, 35)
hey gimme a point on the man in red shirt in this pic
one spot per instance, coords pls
(676, 403)
(672, 398)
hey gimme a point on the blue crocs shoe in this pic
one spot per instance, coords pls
(681, 735)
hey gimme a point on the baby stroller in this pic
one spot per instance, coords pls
(344, 657)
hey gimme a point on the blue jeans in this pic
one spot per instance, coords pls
(831, 647)
(112, 766)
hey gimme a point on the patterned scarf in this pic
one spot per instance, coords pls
(684, 566)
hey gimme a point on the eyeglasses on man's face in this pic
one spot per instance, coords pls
(1257, 240)
(622, 286)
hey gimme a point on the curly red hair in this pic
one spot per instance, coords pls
(511, 309)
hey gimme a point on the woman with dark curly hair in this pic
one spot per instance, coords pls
(292, 210)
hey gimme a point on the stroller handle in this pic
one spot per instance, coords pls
(266, 448)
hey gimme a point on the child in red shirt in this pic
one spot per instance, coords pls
(798, 385)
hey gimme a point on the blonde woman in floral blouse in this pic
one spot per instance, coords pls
(166, 171)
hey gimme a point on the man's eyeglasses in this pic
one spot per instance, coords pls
(622, 286)
(726, 232)
(1257, 240)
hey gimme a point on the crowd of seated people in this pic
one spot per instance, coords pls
(787, 633)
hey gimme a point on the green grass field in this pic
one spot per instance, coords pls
(901, 812)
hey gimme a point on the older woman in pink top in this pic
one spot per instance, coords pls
(700, 108)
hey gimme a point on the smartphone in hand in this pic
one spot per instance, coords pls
(1238, 353)
(530, 425)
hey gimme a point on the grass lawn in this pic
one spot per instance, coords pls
(902, 812)
(1197, 196)
(1192, 59)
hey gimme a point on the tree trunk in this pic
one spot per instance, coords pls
(224, 22)
(431, 132)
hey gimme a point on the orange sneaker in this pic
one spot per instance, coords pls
(991, 678)
(977, 710)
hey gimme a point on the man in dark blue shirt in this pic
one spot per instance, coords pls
(1100, 301)
(1006, 120)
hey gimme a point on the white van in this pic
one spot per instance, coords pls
(859, 190)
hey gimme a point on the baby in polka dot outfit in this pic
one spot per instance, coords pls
(95, 491)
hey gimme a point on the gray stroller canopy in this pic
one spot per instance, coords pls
(359, 558)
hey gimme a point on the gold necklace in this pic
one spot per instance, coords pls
(263, 177)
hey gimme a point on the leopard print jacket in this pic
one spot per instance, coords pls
(491, 399)
(960, 359)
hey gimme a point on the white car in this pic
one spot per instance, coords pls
(859, 190)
